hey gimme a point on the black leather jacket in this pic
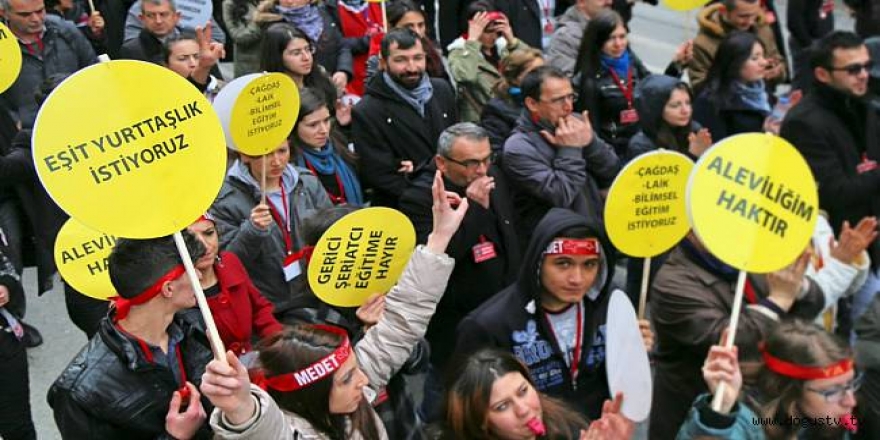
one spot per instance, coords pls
(112, 391)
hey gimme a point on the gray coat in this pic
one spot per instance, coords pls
(263, 252)
(65, 50)
(562, 52)
(545, 176)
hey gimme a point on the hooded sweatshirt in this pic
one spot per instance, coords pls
(651, 97)
(514, 320)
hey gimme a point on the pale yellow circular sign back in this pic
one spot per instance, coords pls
(363, 253)
(685, 5)
(10, 58)
(130, 148)
(752, 201)
(81, 256)
(645, 212)
(258, 111)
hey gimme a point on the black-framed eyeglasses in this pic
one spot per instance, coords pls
(571, 97)
(473, 164)
(837, 393)
(855, 69)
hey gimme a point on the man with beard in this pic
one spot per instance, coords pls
(396, 125)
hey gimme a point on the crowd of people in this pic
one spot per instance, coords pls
(497, 128)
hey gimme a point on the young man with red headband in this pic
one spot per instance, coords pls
(553, 317)
(138, 377)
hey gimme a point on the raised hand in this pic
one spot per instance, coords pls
(446, 218)
(722, 365)
(227, 386)
(785, 284)
(371, 311)
(477, 25)
(853, 241)
(699, 142)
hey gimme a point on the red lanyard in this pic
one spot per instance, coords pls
(628, 89)
(337, 200)
(276, 215)
(578, 342)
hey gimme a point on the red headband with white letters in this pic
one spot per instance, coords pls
(570, 246)
(320, 369)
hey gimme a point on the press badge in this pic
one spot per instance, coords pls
(292, 268)
(866, 165)
(629, 116)
(483, 251)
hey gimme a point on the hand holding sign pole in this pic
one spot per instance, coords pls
(752, 201)
(132, 151)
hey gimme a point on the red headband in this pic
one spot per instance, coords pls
(801, 372)
(321, 369)
(123, 305)
(568, 246)
(205, 217)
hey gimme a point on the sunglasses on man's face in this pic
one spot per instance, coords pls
(855, 69)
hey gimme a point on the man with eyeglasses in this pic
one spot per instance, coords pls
(49, 45)
(553, 158)
(485, 247)
(836, 130)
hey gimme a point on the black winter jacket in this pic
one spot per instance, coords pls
(835, 133)
(499, 119)
(513, 320)
(387, 130)
(525, 18)
(728, 118)
(110, 390)
(471, 283)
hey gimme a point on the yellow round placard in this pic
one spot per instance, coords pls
(363, 253)
(752, 201)
(81, 256)
(10, 58)
(645, 212)
(130, 148)
(685, 5)
(258, 111)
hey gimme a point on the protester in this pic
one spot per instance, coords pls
(534, 20)
(485, 247)
(666, 119)
(396, 124)
(194, 58)
(358, 21)
(288, 50)
(319, 146)
(49, 46)
(246, 27)
(734, 97)
(91, 24)
(553, 318)
(474, 59)
(395, 405)
(562, 52)
(134, 24)
(334, 404)
(805, 388)
(807, 22)
(330, 48)
(16, 422)
(836, 132)
(493, 396)
(719, 19)
(691, 301)
(607, 74)
(139, 377)
(159, 20)
(240, 311)
(406, 14)
(553, 158)
(501, 112)
(267, 235)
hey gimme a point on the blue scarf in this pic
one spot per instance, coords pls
(327, 162)
(709, 262)
(753, 95)
(418, 97)
(306, 18)
(620, 64)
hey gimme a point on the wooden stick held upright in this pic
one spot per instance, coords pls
(643, 292)
(731, 333)
(263, 182)
(92, 6)
(384, 17)
(216, 343)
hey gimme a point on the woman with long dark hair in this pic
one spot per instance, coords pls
(734, 98)
(491, 396)
(808, 375)
(288, 50)
(322, 148)
(317, 383)
(607, 74)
